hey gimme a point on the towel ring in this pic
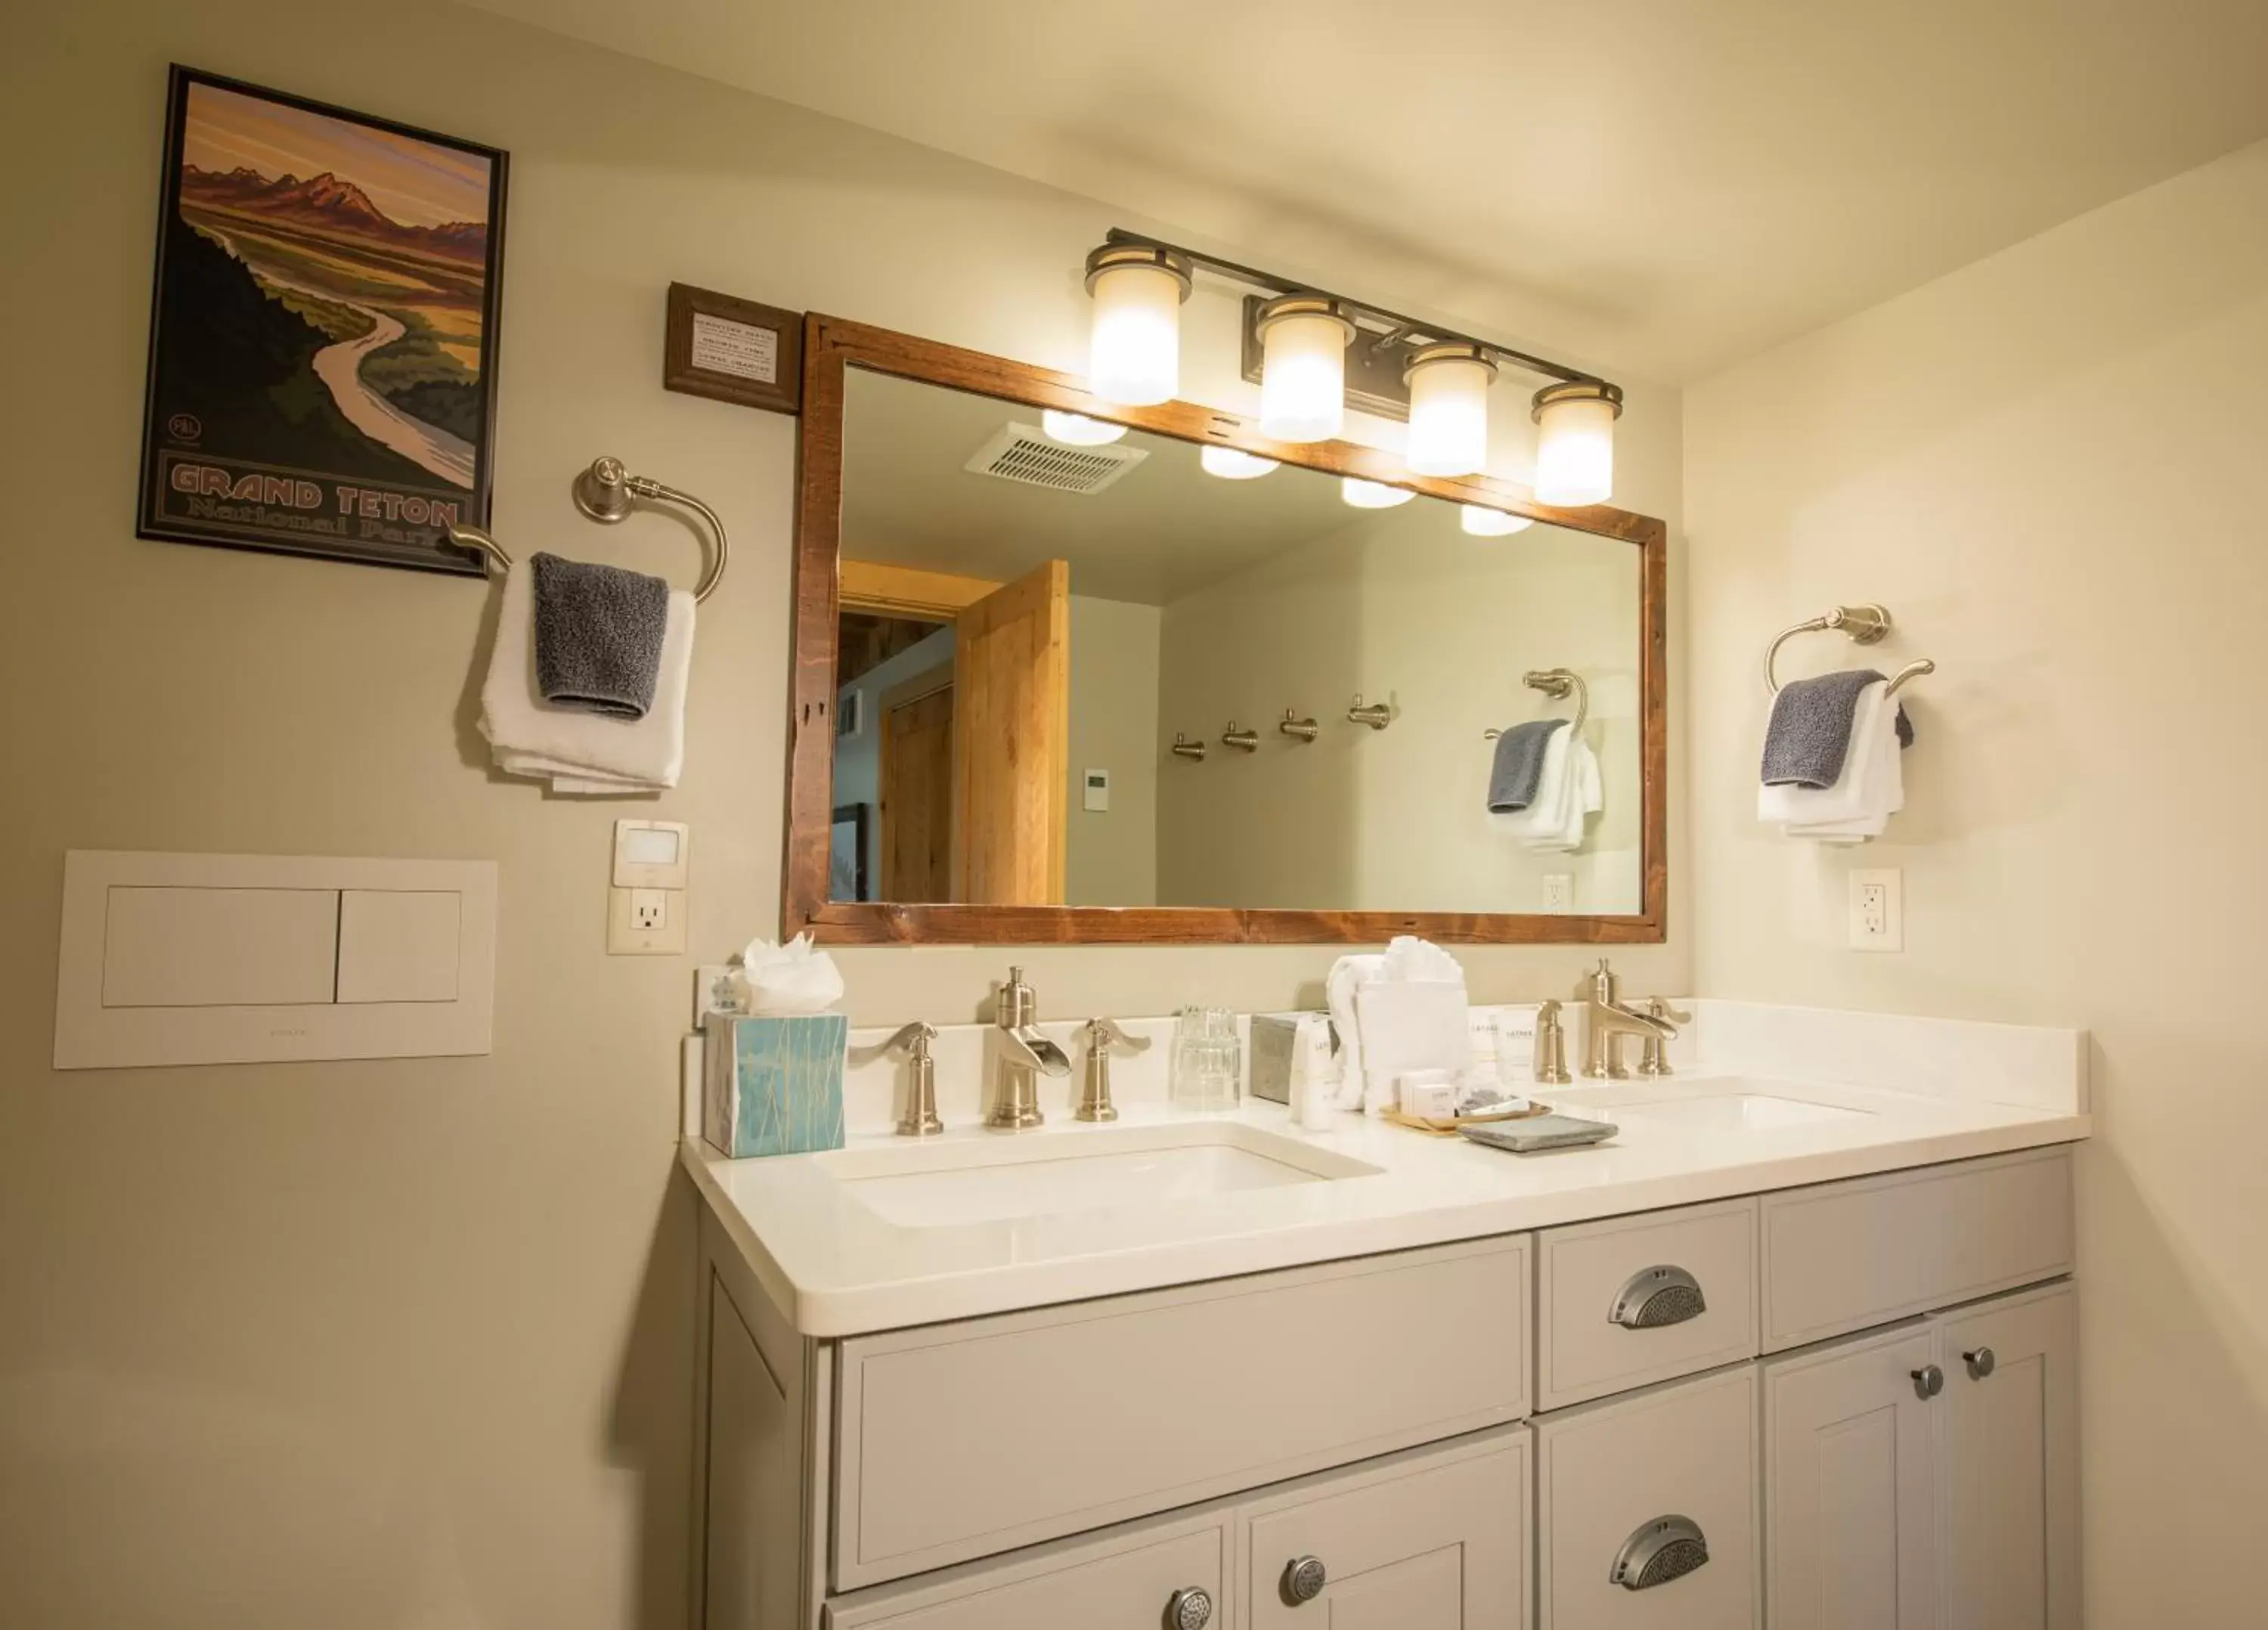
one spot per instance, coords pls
(1866, 625)
(1556, 682)
(606, 493)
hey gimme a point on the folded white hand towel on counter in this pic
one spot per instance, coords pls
(1870, 789)
(580, 752)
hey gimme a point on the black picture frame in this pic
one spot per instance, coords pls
(262, 428)
(858, 818)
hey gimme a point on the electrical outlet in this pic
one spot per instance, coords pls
(1878, 915)
(1558, 891)
(645, 922)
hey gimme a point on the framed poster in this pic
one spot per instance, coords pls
(323, 334)
(732, 350)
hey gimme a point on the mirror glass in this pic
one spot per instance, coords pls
(1029, 626)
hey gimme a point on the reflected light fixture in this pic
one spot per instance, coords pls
(1448, 408)
(1575, 442)
(1235, 463)
(1303, 340)
(1480, 521)
(1134, 354)
(1076, 429)
(1372, 494)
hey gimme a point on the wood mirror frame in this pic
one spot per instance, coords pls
(831, 345)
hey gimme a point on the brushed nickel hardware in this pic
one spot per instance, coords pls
(1242, 741)
(1653, 1053)
(1666, 1548)
(1378, 715)
(1101, 1034)
(1607, 1020)
(1550, 1067)
(920, 1119)
(1304, 1579)
(1929, 1381)
(1980, 1363)
(1183, 748)
(1020, 1055)
(1656, 1297)
(1864, 625)
(1301, 729)
(1557, 683)
(1189, 1608)
(606, 493)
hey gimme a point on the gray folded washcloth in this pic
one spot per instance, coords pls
(1810, 730)
(1519, 765)
(598, 636)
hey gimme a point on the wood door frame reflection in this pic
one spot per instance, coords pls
(831, 346)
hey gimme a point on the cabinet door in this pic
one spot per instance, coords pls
(1850, 1488)
(1141, 1578)
(2012, 1454)
(1431, 1541)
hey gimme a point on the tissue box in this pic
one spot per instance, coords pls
(774, 1085)
(1272, 1034)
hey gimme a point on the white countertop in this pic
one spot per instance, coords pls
(835, 1267)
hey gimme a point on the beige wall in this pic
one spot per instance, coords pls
(2050, 467)
(1401, 608)
(395, 1344)
(1111, 856)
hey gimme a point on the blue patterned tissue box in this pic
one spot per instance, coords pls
(775, 1084)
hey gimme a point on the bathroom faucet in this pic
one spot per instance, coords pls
(1607, 1020)
(1018, 1055)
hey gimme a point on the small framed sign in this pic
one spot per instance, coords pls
(732, 350)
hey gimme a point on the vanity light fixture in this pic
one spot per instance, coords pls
(1448, 408)
(1076, 429)
(1235, 463)
(1480, 521)
(1134, 354)
(1372, 494)
(1575, 442)
(1303, 340)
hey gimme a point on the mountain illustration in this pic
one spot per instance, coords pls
(326, 203)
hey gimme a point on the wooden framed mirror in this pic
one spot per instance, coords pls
(1010, 634)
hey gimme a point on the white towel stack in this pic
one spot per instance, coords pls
(580, 752)
(1567, 796)
(1870, 789)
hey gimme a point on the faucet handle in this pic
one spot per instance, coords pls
(1102, 1034)
(912, 1040)
(1659, 1007)
(920, 1119)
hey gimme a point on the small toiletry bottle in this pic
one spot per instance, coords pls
(1313, 1095)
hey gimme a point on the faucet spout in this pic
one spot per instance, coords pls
(1026, 1046)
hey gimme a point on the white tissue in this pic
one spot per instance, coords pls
(791, 978)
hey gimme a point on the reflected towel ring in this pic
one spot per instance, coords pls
(1557, 683)
(606, 492)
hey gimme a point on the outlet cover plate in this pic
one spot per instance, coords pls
(1878, 909)
(626, 938)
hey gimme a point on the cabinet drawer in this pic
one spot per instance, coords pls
(1608, 1474)
(963, 1440)
(1637, 1269)
(1432, 1540)
(1126, 1582)
(1844, 1256)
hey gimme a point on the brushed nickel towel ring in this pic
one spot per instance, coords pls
(1866, 625)
(606, 493)
(1557, 683)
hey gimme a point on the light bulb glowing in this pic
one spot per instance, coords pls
(1480, 521)
(1448, 409)
(1076, 429)
(1134, 351)
(1575, 444)
(1372, 494)
(1303, 341)
(1233, 463)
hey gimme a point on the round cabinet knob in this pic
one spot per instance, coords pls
(1304, 1580)
(1980, 1363)
(1189, 1610)
(1929, 1381)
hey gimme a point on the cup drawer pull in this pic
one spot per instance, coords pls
(1667, 1548)
(1656, 1296)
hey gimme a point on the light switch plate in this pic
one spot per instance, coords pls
(1095, 792)
(632, 929)
(1878, 912)
(650, 854)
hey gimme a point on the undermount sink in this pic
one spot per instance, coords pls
(990, 1178)
(1721, 1106)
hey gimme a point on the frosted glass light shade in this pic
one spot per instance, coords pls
(1575, 444)
(1233, 463)
(1076, 429)
(1479, 520)
(1134, 351)
(1372, 494)
(1303, 341)
(1448, 409)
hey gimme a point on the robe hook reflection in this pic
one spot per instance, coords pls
(608, 493)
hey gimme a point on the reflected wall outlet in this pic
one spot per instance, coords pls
(1558, 891)
(1878, 915)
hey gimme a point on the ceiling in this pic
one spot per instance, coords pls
(1656, 188)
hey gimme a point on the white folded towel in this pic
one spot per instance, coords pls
(1567, 794)
(1870, 789)
(581, 752)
